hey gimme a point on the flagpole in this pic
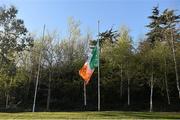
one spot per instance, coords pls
(85, 94)
(99, 97)
(85, 103)
(37, 79)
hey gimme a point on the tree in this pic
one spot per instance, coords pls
(169, 21)
(14, 38)
(162, 53)
(153, 36)
(121, 57)
(125, 48)
(49, 60)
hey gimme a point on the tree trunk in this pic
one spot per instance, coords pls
(28, 85)
(151, 95)
(7, 94)
(175, 64)
(166, 84)
(49, 92)
(121, 84)
(128, 88)
(7, 100)
(152, 85)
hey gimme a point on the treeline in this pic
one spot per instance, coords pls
(142, 78)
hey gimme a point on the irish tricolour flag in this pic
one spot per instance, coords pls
(88, 68)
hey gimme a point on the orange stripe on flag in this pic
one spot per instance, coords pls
(85, 72)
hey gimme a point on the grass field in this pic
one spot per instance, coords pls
(90, 115)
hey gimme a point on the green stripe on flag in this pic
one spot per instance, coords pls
(94, 59)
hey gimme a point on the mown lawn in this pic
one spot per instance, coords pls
(90, 115)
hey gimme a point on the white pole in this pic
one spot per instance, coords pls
(85, 103)
(99, 94)
(37, 79)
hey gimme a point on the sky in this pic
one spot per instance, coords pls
(111, 13)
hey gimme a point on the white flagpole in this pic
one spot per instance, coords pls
(37, 79)
(85, 94)
(99, 95)
(85, 103)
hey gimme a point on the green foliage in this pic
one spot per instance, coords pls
(13, 34)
